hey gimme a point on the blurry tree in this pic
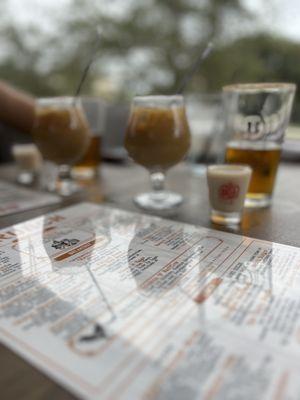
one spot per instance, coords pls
(150, 44)
(36, 60)
(258, 58)
(145, 46)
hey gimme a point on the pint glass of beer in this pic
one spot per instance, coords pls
(256, 117)
(95, 111)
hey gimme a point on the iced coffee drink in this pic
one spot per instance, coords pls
(61, 132)
(158, 138)
(227, 186)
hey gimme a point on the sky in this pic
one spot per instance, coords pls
(277, 16)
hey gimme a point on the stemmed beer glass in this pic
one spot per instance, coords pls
(62, 134)
(157, 138)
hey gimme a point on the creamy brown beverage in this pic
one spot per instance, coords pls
(157, 137)
(27, 157)
(61, 133)
(227, 185)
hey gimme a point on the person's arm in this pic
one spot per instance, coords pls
(16, 108)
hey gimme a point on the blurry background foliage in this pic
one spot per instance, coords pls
(145, 46)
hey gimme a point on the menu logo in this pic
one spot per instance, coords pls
(98, 333)
(64, 243)
(229, 191)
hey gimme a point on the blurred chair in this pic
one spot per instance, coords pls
(114, 132)
(204, 112)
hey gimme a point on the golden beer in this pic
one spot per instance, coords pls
(87, 166)
(263, 158)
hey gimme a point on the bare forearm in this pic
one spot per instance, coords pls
(16, 108)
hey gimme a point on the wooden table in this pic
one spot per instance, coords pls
(116, 186)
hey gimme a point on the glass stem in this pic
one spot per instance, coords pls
(64, 180)
(64, 172)
(157, 181)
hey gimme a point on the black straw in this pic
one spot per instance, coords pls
(88, 66)
(190, 73)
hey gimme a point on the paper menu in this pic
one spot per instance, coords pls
(14, 199)
(116, 305)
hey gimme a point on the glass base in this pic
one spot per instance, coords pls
(84, 172)
(26, 177)
(225, 218)
(66, 188)
(65, 185)
(258, 200)
(158, 201)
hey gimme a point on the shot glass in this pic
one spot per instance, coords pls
(227, 186)
(29, 162)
